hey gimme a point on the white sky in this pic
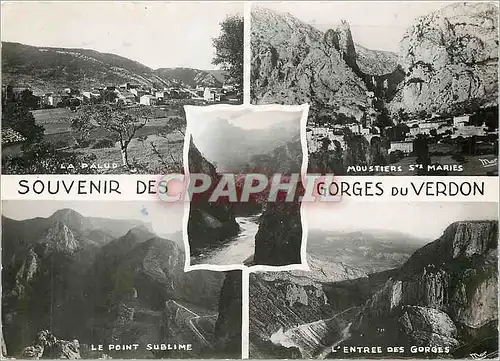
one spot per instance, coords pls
(156, 34)
(166, 218)
(247, 119)
(420, 219)
(374, 24)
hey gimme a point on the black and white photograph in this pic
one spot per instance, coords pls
(228, 144)
(105, 279)
(99, 87)
(395, 88)
(387, 280)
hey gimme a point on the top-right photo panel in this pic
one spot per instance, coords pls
(395, 88)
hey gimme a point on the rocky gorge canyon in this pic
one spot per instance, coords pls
(105, 281)
(212, 225)
(364, 100)
(448, 60)
(444, 294)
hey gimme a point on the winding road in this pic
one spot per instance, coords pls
(191, 325)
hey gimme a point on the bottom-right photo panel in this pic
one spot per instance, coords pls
(386, 280)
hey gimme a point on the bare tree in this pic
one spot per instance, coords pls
(170, 161)
(121, 121)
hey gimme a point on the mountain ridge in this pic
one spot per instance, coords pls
(47, 69)
(113, 292)
(447, 63)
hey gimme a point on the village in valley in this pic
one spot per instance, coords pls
(451, 139)
(125, 94)
(56, 110)
(73, 110)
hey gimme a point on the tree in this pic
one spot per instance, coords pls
(421, 150)
(123, 122)
(403, 115)
(229, 49)
(170, 161)
(19, 118)
(45, 158)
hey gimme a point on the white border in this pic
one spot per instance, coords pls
(247, 57)
(193, 111)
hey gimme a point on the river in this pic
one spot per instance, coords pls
(236, 250)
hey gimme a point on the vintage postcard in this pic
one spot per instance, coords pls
(249, 180)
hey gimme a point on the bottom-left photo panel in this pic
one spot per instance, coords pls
(86, 279)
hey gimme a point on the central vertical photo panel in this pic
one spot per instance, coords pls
(244, 165)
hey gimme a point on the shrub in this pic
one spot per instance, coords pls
(103, 143)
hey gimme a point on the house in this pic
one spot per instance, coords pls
(162, 95)
(55, 99)
(211, 95)
(365, 131)
(432, 124)
(461, 120)
(138, 92)
(148, 99)
(467, 131)
(125, 97)
(128, 86)
(315, 137)
(405, 146)
(12, 142)
(91, 96)
(71, 91)
(208, 95)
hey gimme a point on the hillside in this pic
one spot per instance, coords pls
(450, 58)
(445, 295)
(50, 69)
(369, 250)
(447, 62)
(60, 278)
(292, 63)
(192, 77)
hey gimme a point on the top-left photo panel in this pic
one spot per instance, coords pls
(100, 87)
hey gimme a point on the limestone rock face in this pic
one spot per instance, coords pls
(46, 345)
(450, 59)
(292, 62)
(228, 324)
(279, 238)
(60, 238)
(445, 292)
(423, 324)
(209, 222)
(291, 312)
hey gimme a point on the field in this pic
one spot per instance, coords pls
(141, 150)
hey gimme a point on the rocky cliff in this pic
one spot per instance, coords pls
(292, 62)
(209, 222)
(447, 62)
(228, 326)
(450, 60)
(446, 294)
(47, 346)
(99, 294)
(292, 313)
(279, 238)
